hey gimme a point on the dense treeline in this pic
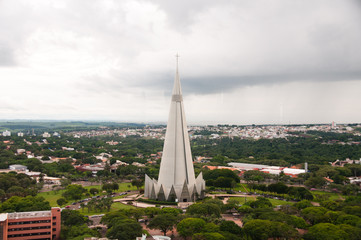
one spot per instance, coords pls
(24, 204)
(298, 193)
(13, 184)
(312, 148)
(222, 178)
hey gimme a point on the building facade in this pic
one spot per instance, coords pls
(37, 225)
(176, 180)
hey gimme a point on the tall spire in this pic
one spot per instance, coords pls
(177, 88)
(177, 59)
(177, 156)
(176, 167)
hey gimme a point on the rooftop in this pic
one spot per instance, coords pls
(35, 214)
(3, 217)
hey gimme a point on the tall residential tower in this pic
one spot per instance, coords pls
(176, 176)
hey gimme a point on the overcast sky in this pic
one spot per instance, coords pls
(242, 62)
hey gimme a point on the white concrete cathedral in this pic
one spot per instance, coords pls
(176, 181)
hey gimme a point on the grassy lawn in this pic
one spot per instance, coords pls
(122, 196)
(52, 196)
(274, 202)
(330, 195)
(242, 200)
(241, 187)
(115, 207)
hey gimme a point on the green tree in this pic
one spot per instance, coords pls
(204, 209)
(74, 191)
(322, 231)
(115, 186)
(208, 236)
(264, 229)
(93, 191)
(349, 219)
(107, 203)
(108, 187)
(172, 211)
(190, 226)
(314, 214)
(109, 217)
(315, 182)
(163, 222)
(16, 191)
(126, 229)
(353, 233)
(224, 182)
(151, 212)
(303, 204)
(72, 218)
(78, 232)
(24, 204)
(230, 226)
(261, 202)
(136, 213)
(137, 183)
(61, 201)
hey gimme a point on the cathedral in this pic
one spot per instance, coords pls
(176, 181)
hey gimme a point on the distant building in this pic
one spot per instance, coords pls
(20, 134)
(46, 135)
(155, 237)
(52, 180)
(137, 164)
(18, 167)
(342, 163)
(56, 134)
(20, 151)
(31, 225)
(6, 133)
(67, 149)
(293, 172)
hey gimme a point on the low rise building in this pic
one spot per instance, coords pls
(276, 170)
(42, 225)
(46, 135)
(6, 133)
(18, 167)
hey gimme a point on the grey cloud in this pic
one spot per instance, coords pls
(215, 84)
(6, 56)
(182, 14)
(226, 83)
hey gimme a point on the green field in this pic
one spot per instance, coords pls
(329, 195)
(241, 187)
(52, 196)
(115, 207)
(242, 200)
(274, 202)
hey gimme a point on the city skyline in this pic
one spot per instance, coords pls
(244, 62)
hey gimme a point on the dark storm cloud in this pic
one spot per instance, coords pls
(225, 83)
